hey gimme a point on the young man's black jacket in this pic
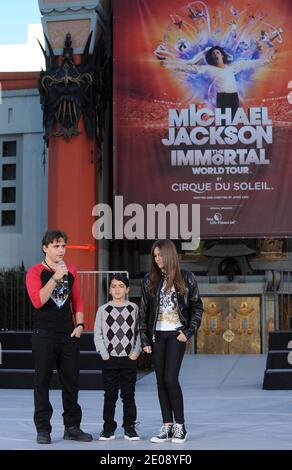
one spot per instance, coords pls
(190, 308)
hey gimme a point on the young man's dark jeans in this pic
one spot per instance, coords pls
(113, 379)
(56, 351)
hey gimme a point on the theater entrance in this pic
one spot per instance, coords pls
(230, 325)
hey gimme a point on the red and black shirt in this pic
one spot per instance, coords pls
(56, 313)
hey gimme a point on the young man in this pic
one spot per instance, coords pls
(54, 292)
(117, 340)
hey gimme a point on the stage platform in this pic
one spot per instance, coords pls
(225, 407)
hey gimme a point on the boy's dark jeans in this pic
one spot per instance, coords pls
(113, 380)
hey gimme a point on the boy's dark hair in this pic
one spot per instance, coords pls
(52, 235)
(210, 60)
(118, 277)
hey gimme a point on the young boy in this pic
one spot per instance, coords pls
(117, 339)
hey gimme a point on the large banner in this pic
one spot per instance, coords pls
(202, 113)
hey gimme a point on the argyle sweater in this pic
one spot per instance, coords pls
(116, 332)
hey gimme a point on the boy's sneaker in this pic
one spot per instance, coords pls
(180, 434)
(106, 436)
(131, 433)
(166, 433)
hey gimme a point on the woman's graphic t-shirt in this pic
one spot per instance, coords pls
(168, 318)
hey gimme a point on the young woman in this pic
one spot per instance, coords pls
(170, 313)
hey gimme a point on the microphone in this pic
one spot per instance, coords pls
(65, 277)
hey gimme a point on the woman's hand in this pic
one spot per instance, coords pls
(182, 337)
(147, 349)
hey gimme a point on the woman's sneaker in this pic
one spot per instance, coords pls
(166, 433)
(180, 434)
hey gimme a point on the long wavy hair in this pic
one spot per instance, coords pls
(171, 265)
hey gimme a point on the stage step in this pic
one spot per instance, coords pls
(17, 367)
(279, 360)
(24, 378)
(277, 379)
(278, 373)
(23, 359)
(279, 340)
(22, 340)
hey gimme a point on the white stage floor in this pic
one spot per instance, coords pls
(225, 408)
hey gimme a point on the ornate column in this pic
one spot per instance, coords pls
(69, 92)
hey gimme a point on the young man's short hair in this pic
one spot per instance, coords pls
(122, 277)
(52, 235)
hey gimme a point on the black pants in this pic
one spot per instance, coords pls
(50, 351)
(168, 354)
(113, 380)
(228, 100)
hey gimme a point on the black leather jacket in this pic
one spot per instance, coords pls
(190, 308)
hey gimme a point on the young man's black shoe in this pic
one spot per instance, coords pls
(43, 437)
(74, 433)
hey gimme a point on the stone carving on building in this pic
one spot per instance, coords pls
(67, 91)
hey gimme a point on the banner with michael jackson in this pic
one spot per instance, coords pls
(203, 110)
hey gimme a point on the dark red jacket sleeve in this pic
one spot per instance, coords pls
(34, 285)
(77, 302)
